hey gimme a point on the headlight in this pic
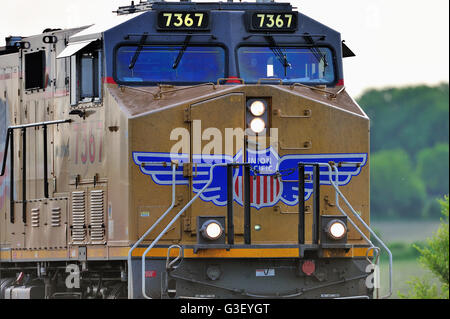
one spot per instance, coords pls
(258, 108)
(257, 125)
(211, 230)
(336, 229)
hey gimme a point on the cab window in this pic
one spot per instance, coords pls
(35, 70)
(169, 64)
(291, 64)
(86, 75)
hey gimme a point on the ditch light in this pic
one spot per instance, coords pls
(211, 230)
(334, 229)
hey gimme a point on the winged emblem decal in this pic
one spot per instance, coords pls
(274, 179)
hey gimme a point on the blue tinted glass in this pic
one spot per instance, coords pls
(156, 64)
(302, 65)
(87, 70)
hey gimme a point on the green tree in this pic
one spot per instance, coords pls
(411, 118)
(415, 120)
(435, 257)
(396, 190)
(432, 167)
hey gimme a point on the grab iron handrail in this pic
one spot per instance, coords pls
(339, 193)
(10, 139)
(333, 170)
(170, 225)
(130, 268)
(316, 178)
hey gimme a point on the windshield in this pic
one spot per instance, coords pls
(170, 64)
(302, 65)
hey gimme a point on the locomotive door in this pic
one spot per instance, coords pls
(217, 134)
(12, 233)
(4, 123)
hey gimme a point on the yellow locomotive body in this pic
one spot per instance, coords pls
(93, 161)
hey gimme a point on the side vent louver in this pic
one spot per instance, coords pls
(35, 217)
(97, 222)
(56, 217)
(78, 217)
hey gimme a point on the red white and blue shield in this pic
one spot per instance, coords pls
(265, 190)
(265, 186)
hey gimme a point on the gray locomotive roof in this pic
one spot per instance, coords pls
(125, 14)
(93, 33)
(218, 5)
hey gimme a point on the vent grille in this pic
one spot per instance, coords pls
(78, 217)
(97, 222)
(35, 217)
(56, 217)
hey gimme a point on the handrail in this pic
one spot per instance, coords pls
(332, 95)
(10, 142)
(333, 167)
(158, 95)
(338, 192)
(170, 264)
(130, 268)
(280, 81)
(155, 95)
(22, 127)
(40, 124)
(5, 152)
(170, 225)
(330, 169)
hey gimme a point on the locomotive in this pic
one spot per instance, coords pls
(184, 150)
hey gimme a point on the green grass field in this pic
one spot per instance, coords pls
(404, 268)
(403, 271)
(405, 231)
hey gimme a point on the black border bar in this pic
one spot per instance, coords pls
(301, 203)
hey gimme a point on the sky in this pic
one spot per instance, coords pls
(397, 42)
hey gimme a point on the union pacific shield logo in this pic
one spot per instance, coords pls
(273, 179)
(265, 191)
(265, 186)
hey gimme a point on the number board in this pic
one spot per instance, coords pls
(273, 21)
(183, 20)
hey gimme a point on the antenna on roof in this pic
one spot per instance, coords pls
(141, 6)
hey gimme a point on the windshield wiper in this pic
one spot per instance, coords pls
(181, 53)
(279, 54)
(138, 51)
(315, 50)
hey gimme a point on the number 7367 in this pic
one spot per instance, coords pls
(275, 20)
(184, 20)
